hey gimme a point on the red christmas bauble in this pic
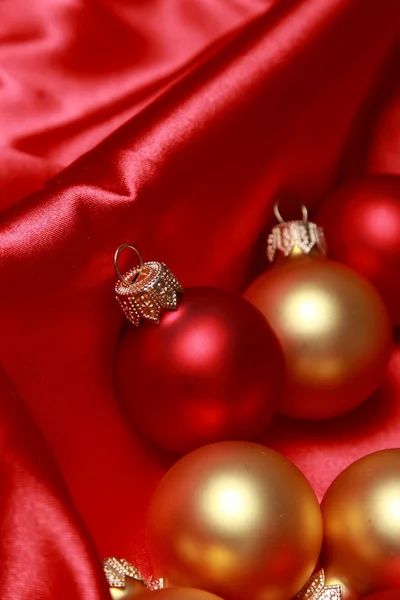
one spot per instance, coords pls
(210, 371)
(362, 227)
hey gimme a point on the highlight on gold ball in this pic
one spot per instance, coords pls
(236, 519)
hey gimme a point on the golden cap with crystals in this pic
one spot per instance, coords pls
(147, 290)
(119, 570)
(315, 589)
(294, 238)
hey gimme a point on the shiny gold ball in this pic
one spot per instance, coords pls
(236, 519)
(361, 514)
(178, 594)
(132, 589)
(334, 330)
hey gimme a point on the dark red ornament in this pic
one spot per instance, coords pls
(211, 370)
(362, 227)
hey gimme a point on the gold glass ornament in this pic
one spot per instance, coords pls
(236, 519)
(361, 514)
(332, 324)
(178, 594)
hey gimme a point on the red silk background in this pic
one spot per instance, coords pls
(170, 125)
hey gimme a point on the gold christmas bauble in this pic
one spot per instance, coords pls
(236, 519)
(178, 594)
(361, 514)
(334, 330)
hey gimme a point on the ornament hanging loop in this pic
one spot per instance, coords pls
(125, 281)
(277, 213)
(146, 291)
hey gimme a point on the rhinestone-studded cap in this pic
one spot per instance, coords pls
(117, 570)
(153, 289)
(295, 238)
(315, 589)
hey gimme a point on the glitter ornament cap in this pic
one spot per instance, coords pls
(147, 290)
(118, 570)
(316, 589)
(294, 238)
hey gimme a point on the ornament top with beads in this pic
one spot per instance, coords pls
(146, 291)
(294, 238)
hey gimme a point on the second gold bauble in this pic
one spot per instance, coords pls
(236, 519)
(332, 325)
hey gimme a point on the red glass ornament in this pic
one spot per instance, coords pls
(211, 370)
(362, 227)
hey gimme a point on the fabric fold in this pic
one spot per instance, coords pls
(45, 552)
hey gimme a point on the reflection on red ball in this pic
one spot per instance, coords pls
(213, 370)
(362, 227)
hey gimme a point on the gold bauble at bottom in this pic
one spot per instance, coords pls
(178, 594)
(133, 588)
(334, 330)
(361, 514)
(236, 519)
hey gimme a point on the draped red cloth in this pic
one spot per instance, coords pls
(171, 125)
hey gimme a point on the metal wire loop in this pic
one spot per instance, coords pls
(304, 211)
(118, 272)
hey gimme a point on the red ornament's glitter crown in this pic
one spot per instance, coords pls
(147, 290)
(146, 297)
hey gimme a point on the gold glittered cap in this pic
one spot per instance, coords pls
(118, 570)
(146, 291)
(294, 238)
(315, 589)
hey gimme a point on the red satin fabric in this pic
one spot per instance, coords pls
(45, 551)
(186, 118)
